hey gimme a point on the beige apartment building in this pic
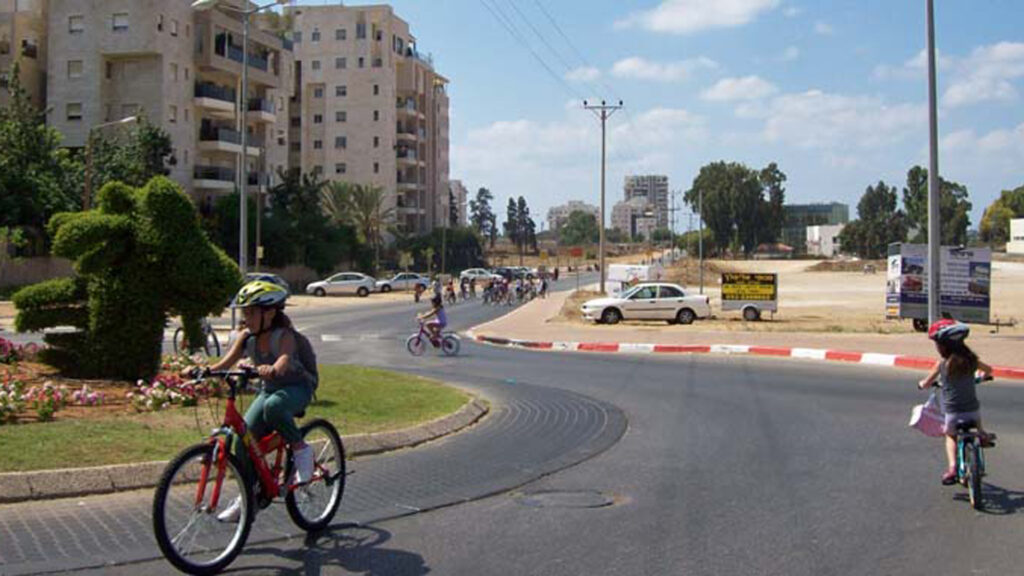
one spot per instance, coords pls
(23, 40)
(181, 69)
(653, 189)
(370, 109)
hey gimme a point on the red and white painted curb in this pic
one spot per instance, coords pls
(894, 360)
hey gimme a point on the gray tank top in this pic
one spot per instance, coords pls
(296, 373)
(958, 393)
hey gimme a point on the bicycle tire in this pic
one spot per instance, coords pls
(212, 338)
(415, 345)
(160, 513)
(450, 345)
(179, 334)
(973, 475)
(336, 484)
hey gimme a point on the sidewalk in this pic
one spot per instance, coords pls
(537, 322)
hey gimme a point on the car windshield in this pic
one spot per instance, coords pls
(629, 292)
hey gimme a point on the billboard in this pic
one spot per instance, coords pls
(742, 287)
(965, 275)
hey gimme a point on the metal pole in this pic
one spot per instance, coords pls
(934, 231)
(243, 209)
(700, 235)
(604, 119)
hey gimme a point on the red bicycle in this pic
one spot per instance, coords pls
(205, 479)
(447, 342)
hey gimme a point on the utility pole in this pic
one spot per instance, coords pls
(700, 235)
(603, 112)
(934, 232)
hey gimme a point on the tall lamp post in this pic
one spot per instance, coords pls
(243, 209)
(934, 235)
(87, 190)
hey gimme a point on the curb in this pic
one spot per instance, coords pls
(871, 358)
(70, 482)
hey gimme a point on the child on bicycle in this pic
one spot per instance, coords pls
(956, 374)
(267, 342)
(437, 311)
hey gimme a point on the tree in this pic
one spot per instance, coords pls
(453, 210)
(954, 208)
(141, 257)
(773, 180)
(481, 216)
(614, 236)
(734, 206)
(512, 222)
(880, 223)
(461, 245)
(579, 228)
(132, 156)
(527, 227)
(37, 177)
(662, 235)
(995, 224)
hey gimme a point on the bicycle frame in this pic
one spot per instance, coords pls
(962, 438)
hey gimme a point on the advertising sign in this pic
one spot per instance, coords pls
(745, 287)
(576, 252)
(965, 275)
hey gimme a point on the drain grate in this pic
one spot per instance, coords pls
(565, 499)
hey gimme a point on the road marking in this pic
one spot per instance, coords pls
(808, 353)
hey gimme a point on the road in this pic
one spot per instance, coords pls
(729, 465)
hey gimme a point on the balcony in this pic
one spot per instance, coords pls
(29, 50)
(406, 156)
(212, 139)
(406, 134)
(408, 186)
(263, 109)
(216, 101)
(259, 179)
(407, 107)
(213, 178)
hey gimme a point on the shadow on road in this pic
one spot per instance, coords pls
(349, 548)
(998, 501)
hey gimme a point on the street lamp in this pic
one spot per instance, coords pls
(87, 190)
(203, 6)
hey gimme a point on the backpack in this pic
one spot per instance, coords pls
(303, 351)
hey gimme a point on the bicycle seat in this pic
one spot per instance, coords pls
(967, 427)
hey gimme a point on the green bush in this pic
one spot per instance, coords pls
(141, 257)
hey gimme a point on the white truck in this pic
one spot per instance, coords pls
(624, 276)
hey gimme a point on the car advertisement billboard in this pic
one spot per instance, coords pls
(965, 275)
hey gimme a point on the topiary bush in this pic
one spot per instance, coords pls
(140, 257)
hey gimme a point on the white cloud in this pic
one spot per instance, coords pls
(746, 88)
(583, 74)
(823, 29)
(691, 16)
(789, 54)
(792, 11)
(913, 69)
(642, 69)
(1002, 141)
(986, 75)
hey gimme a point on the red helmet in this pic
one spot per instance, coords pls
(947, 330)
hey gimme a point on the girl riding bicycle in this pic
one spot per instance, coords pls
(438, 312)
(956, 374)
(268, 343)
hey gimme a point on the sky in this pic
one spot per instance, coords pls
(833, 91)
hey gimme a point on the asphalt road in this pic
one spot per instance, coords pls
(729, 465)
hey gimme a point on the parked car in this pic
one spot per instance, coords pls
(268, 277)
(479, 274)
(649, 301)
(513, 272)
(344, 283)
(527, 272)
(403, 281)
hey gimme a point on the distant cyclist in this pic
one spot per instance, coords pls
(956, 374)
(437, 311)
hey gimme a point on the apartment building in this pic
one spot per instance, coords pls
(182, 70)
(635, 217)
(654, 190)
(370, 109)
(23, 35)
(558, 215)
(459, 196)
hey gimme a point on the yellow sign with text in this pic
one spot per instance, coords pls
(749, 287)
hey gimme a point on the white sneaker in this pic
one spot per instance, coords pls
(233, 512)
(303, 459)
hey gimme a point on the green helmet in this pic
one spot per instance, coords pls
(262, 294)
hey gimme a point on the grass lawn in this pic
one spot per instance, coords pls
(353, 398)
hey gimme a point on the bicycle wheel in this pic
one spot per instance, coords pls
(450, 345)
(179, 335)
(184, 521)
(971, 459)
(416, 345)
(212, 345)
(313, 505)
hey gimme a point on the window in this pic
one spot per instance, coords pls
(645, 293)
(340, 63)
(186, 73)
(74, 69)
(318, 170)
(76, 24)
(174, 72)
(361, 31)
(341, 116)
(186, 120)
(340, 34)
(377, 62)
(174, 27)
(318, 118)
(296, 147)
(172, 114)
(186, 151)
(380, 35)
(315, 36)
(669, 292)
(376, 115)
(376, 168)
(318, 144)
(316, 65)
(296, 122)
(297, 37)
(74, 111)
(376, 89)
(340, 168)
(376, 141)
(120, 21)
(341, 91)
(160, 23)
(341, 142)
(362, 62)
(318, 93)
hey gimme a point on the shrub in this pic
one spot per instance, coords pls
(12, 399)
(46, 400)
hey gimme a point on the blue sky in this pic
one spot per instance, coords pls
(834, 91)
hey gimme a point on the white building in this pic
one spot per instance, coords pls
(824, 240)
(654, 189)
(1016, 243)
(558, 215)
(635, 217)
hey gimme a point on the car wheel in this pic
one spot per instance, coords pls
(685, 316)
(363, 292)
(611, 316)
(920, 325)
(320, 292)
(385, 289)
(751, 314)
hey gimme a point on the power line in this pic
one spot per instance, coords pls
(572, 46)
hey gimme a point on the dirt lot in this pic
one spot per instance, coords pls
(824, 301)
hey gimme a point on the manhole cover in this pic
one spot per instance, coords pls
(566, 499)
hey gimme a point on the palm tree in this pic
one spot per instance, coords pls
(361, 206)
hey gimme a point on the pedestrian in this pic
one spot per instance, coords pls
(556, 274)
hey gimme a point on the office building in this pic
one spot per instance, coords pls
(799, 216)
(653, 189)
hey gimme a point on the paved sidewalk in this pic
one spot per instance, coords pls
(537, 322)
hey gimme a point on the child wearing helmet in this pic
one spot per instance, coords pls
(437, 311)
(267, 341)
(956, 375)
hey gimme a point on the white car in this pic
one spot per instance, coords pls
(479, 274)
(403, 281)
(344, 283)
(649, 301)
